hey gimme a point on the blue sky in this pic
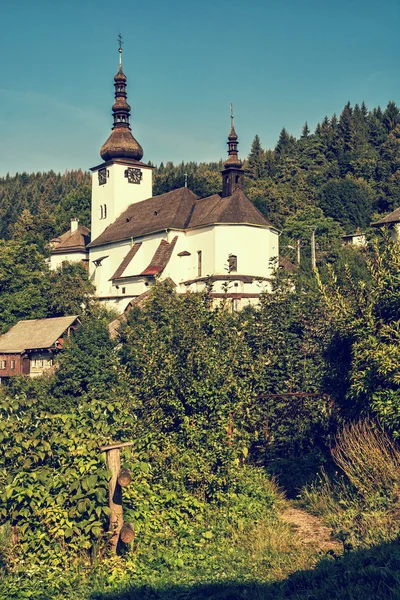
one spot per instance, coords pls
(280, 63)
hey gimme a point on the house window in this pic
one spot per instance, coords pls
(34, 362)
(199, 263)
(232, 263)
(13, 364)
(3, 364)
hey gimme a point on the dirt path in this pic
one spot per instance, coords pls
(311, 530)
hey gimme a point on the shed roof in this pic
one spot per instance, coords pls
(35, 334)
(393, 217)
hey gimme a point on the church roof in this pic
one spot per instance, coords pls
(120, 271)
(161, 257)
(393, 217)
(180, 209)
(35, 334)
(75, 241)
(231, 209)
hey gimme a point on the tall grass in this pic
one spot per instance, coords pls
(362, 504)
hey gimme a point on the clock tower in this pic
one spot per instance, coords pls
(122, 179)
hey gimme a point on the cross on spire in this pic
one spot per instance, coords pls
(232, 117)
(120, 42)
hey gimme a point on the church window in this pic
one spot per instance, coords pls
(199, 263)
(237, 179)
(101, 211)
(102, 175)
(232, 263)
(104, 211)
(123, 290)
(3, 364)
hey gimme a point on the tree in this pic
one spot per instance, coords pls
(24, 284)
(347, 201)
(365, 350)
(305, 132)
(256, 167)
(70, 291)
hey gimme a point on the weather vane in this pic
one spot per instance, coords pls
(232, 117)
(120, 42)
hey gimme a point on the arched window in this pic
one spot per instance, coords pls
(232, 263)
(101, 211)
(237, 179)
(104, 211)
(199, 263)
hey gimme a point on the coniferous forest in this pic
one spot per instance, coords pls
(236, 418)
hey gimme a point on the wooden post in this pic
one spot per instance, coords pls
(115, 491)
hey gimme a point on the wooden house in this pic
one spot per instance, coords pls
(29, 347)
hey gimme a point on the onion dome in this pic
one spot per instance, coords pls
(233, 172)
(232, 142)
(121, 143)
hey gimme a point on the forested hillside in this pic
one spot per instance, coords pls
(349, 167)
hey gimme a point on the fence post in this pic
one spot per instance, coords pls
(118, 477)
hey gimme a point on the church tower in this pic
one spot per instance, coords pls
(122, 179)
(233, 173)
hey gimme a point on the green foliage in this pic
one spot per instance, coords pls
(53, 477)
(70, 290)
(348, 202)
(365, 352)
(87, 367)
(42, 203)
(23, 283)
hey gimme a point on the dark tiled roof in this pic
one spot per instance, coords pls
(161, 257)
(118, 273)
(232, 209)
(287, 265)
(78, 240)
(180, 209)
(168, 211)
(394, 217)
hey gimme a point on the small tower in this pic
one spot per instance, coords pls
(233, 173)
(122, 179)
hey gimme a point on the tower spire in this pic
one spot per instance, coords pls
(120, 42)
(233, 173)
(121, 143)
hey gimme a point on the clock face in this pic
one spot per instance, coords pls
(133, 175)
(102, 173)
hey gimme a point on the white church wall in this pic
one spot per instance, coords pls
(253, 247)
(56, 260)
(116, 195)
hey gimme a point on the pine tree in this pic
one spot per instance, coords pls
(256, 160)
(305, 132)
(286, 143)
(391, 116)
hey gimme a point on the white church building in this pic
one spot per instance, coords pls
(221, 241)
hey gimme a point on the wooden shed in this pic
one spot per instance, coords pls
(29, 347)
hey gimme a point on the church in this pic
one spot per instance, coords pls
(221, 242)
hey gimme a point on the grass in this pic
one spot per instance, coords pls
(362, 504)
(239, 549)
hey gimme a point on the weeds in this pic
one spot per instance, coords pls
(362, 503)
